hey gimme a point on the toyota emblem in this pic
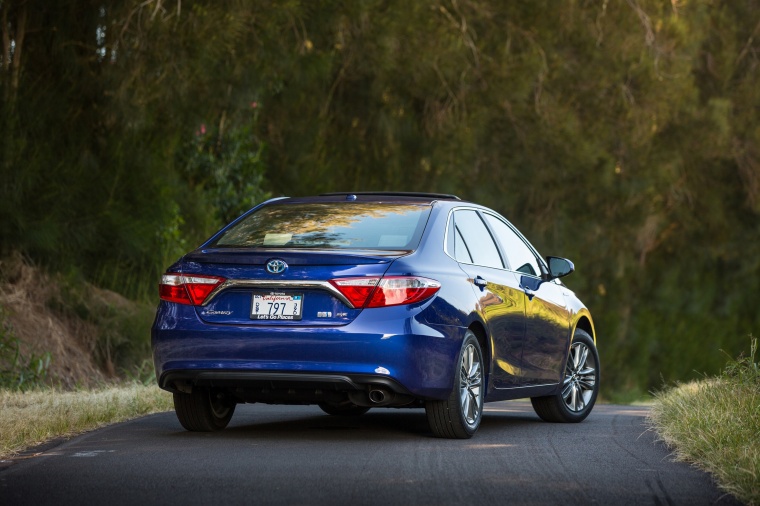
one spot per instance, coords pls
(276, 266)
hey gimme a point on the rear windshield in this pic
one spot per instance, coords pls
(350, 225)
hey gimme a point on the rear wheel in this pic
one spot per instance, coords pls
(203, 410)
(580, 385)
(458, 417)
(347, 409)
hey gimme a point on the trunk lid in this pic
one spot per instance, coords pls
(252, 293)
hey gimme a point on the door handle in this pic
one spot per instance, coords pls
(481, 282)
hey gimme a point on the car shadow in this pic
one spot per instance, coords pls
(377, 424)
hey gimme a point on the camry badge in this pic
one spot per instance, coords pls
(276, 266)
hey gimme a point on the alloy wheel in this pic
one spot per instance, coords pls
(219, 407)
(470, 385)
(580, 377)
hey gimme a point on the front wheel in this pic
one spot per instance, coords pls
(580, 384)
(458, 417)
(203, 410)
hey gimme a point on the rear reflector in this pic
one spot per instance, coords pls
(187, 288)
(389, 291)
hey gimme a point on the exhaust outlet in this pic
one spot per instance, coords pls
(378, 396)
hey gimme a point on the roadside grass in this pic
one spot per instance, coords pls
(714, 424)
(35, 416)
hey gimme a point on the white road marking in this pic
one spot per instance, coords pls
(92, 453)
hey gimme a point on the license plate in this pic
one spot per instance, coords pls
(276, 306)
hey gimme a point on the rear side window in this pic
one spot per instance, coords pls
(473, 242)
(460, 248)
(360, 225)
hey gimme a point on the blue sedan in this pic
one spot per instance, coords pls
(354, 301)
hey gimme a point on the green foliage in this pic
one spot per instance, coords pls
(90, 181)
(620, 134)
(744, 368)
(18, 372)
(142, 373)
(227, 169)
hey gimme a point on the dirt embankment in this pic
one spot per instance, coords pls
(69, 321)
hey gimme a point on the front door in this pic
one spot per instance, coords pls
(547, 331)
(545, 343)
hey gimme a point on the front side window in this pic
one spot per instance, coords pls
(519, 255)
(374, 226)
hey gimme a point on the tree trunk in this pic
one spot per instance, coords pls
(16, 62)
(6, 40)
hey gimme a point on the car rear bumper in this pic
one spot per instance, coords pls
(293, 388)
(385, 348)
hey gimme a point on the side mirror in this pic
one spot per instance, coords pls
(559, 267)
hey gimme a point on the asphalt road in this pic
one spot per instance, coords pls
(297, 455)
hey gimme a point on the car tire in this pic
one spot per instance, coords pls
(458, 417)
(202, 410)
(348, 409)
(580, 384)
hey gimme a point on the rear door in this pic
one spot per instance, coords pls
(500, 298)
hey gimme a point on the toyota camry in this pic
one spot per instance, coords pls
(353, 301)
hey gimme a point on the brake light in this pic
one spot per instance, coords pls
(389, 291)
(187, 288)
(356, 290)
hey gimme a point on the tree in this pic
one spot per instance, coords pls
(620, 134)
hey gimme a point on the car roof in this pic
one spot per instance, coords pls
(406, 197)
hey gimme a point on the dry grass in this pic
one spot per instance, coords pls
(715, 425)
(91, 335)
(33, 417)
(24, 294)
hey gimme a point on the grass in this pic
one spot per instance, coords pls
(714, 424)
(35, 416)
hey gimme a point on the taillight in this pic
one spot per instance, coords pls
(187, 288)
(397, 290)
(356, 290)
(389, 291)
